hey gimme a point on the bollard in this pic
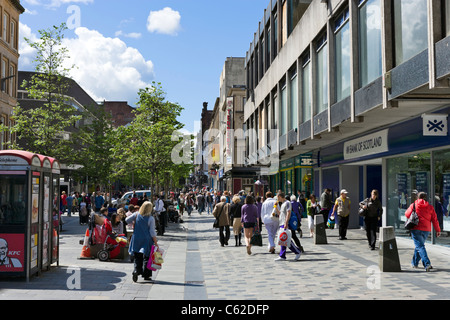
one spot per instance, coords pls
(389, 259)
(320, 235)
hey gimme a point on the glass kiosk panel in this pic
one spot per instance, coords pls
(13, 221)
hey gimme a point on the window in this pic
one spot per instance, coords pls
(13, 34)
(447, 17)
(369, 41)
(293, 98)
(322, 75)
(5, 27)
(284, 110)
(306, 88)
(275, 35)
(276, 109)
(342, 51)
(411, 30)
(13, 202)
(3, 84)
(268, 58)
(12, 80)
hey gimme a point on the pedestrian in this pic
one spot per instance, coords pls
(284, 217)
(209, 203)
(98, 202)
(161, 214)
(419, 234)
(259, 206)
(134, 199)
(221, 212)
(326, 204)
(312, 208)
(249, 220)
(235, 217)
(83, 215)
(270, 219)
(116, 222)
(189, 204)
(374, 211)
(69, 202)
(297, 212)
(342, 207)
(144, 237)
(200, 203)
(181, 204)
(63, 202)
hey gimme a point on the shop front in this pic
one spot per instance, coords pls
(400, 161)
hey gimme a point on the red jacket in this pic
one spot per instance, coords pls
(426, 214)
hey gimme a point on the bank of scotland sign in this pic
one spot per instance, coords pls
(435, 124)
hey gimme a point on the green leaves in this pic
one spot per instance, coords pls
(44, 127)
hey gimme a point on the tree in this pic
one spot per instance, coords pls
(94, 143)
(146, 143)
(42, 128)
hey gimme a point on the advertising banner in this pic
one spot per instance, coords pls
(12, 252)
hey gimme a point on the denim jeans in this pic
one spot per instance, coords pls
(419, 237)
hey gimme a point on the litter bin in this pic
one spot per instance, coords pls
(29, 234)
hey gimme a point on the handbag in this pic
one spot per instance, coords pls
(413, 219)
(256, 239)
(216, 221)
(361, 211)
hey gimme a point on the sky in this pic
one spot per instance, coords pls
(119, 47)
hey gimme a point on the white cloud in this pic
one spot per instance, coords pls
(106, 68)
(165, 21)
(133, 35)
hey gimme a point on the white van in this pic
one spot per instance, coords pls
(139, 194)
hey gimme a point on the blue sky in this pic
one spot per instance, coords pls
(120, 46)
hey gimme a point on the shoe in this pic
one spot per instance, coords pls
(414, 267)
(297, 257)
(135, 277)
(429, 268)
(280, 259)
(249, 251)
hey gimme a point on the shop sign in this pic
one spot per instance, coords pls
(12, 160)
(435, 125)
(368, 145)
(12, 253)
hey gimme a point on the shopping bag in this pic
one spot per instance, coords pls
(156, 260)
(284, 237)
(331, 223)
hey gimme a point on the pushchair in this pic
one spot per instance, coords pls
(103, 243)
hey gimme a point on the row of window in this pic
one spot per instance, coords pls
(410, 37)
(8, 71)
(10, 31)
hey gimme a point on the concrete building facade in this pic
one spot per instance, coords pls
(353, 94)
(10, 10)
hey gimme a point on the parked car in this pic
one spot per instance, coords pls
(139, 194)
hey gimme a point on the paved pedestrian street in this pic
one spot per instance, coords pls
(196, 267)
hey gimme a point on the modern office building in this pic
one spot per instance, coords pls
(358, 93)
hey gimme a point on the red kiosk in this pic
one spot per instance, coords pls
(29, 213)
